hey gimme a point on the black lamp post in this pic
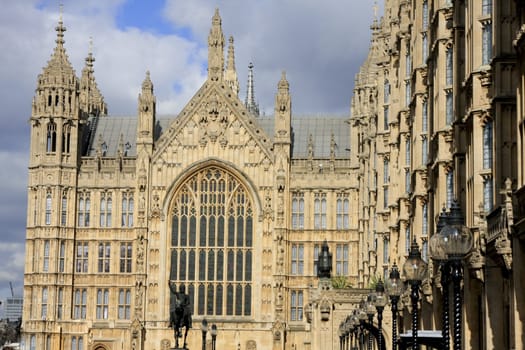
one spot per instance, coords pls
(204, 329)
(370, 312)
(380, 303)
(213, 333)
(395, 288)
(439, 255)
(415, 270)
(457, 242)
(361, 315)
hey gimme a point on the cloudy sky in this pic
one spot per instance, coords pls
(320, 44)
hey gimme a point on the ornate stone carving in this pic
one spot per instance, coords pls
(213, 121)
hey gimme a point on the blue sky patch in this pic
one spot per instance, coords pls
(144, 15)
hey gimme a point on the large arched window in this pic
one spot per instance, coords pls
(211, 243)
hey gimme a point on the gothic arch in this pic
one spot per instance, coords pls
(211, 235)
(100, 347)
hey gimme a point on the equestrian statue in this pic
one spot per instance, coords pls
(180, 314)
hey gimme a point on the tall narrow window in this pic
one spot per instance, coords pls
(44, 303)
(449, 79)
(84, 208)
(386, 91)
(296, 305)
(49, 204)
(449, 108)
(104, 257)
(408, 63)
(212, 237)
(386, 171)
(424, 250)
(127, 210)
(66, 138)
(297, 211)
(424, 11)
(450, 188)
(106, 205)
(63, 210)
(320, 211)
(32, 342)
(408, 93)
(407, 181)
(424, 150)
(102, 303)
(425, 116)
(386, 251)
(316, 258)
(385, 118)
(79, 304)
(82, 255)
(486, 7)
(424, 48)
(424, 220)
(60, 303)
(407, 151)
(45, 268)
(407, 239)
(62, 256)
(77, 343)
(125, 257)
(124, 304)
(487, 145)
(486, 44)
(385, 197)
(297, 259)
(343, 211)
(341, 259)
(51, 145)
(487, 195)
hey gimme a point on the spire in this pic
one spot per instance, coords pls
(57, 83)
(250, 103)
(146, 118)
(231, 74)
(215, 49)
(91, 99)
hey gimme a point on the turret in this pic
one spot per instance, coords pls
(91, 100)
(216, 49)
(283, 112)
(230, 75)
(146, 115)
(250, 103)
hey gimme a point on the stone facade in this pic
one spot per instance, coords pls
(231, 205)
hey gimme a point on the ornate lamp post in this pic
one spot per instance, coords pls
(213, 333)
(380, 303)
(439, 255)
(394, 287)
(415, 270)
(370, 312)
(457, 243)
(361, 315)
(204, 329)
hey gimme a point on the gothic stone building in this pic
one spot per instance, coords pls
(229, 204)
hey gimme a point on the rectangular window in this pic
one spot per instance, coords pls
(425, 116)
(124, 304)
(106, 205)
(60, 303)
(487, 195)
(44, 303)
(424, 250)
(385, 117)
(45, 267)
(386, 251)
(386, 91)
(424, 220)
(424, 11)
(48, 209)
(296, 305)
(297, 211)
(102, 303)
(386, 171)
(487, 145)
(407, 240)
(343, 211)
(317, 249)
(486, 44)
(79, 304)
(407, 152)
(341, 260)
(408, 63)
(82, 257)
(408, 93)
(62, 256)
(77, 343)
(385, 198)
(297, 259)
(63, 211)
(450, 188)
(424, 48)
(126, 252)
(104, 255)
(424, 151)
(84, 208)
(407, 180)
(320, 211)
(486, 7)
(127, 210)
(449, 79)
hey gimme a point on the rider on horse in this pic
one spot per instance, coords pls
(180, 313)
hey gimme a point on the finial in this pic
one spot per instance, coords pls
(250, 103)
(90, 44)
(283, 85)
(60, 28)
(375, 10)
(61, 11)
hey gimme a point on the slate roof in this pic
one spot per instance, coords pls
(108, 130)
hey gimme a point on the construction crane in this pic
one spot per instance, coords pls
(11, 285)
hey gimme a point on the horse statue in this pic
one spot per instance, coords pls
(180, 314)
